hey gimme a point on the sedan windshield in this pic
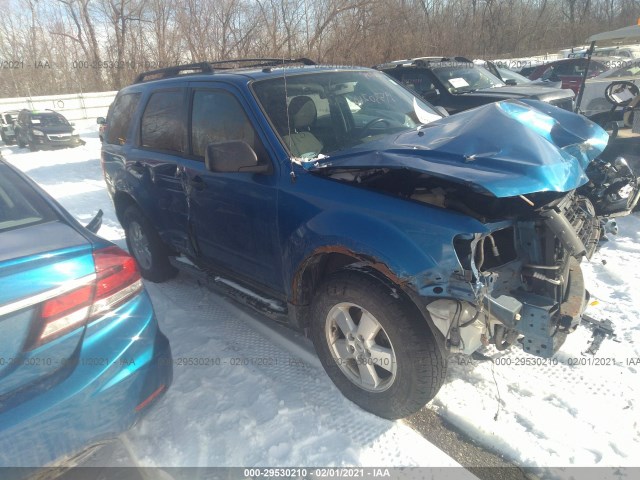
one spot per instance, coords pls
(466, 78)
(324, 112)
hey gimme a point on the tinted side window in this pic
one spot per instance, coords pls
(419, 82)
(218, 117)
(119, 118)
(596, 68)
(162, 122)
(567, 68)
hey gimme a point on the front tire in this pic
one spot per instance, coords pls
(144, 243)
(375, 347)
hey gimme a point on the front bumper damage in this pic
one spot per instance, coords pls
(524, 281)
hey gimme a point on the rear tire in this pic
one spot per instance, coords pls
(376, 348)
(144, 243)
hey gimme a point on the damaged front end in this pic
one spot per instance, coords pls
(544, 197)
(524, 281)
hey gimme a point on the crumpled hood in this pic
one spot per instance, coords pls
(510, 148)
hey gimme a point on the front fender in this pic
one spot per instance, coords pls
(410, 244)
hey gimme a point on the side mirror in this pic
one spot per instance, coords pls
(511, 82)
(231, 157)
(101, 120)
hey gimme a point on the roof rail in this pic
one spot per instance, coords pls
(421, 62)
(202, 67)
(210, 67)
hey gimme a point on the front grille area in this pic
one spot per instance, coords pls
(582, 217)
(64, 137)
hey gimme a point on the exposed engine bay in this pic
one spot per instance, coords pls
(522, 282)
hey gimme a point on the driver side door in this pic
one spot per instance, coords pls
(232, 214)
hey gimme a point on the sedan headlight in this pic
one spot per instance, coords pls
(37, 133)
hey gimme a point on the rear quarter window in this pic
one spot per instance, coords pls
(20, 204)
(120, 116)
(163, 122)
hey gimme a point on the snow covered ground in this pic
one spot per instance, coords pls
(274, 405)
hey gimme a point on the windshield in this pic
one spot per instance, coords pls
(48, 120)
(632, 71)
(324, 112)
(466, 78)
(507, 74)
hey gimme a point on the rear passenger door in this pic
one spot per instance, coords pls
(157, 163)
(233, 214)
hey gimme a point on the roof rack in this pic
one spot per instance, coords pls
(421, 62)
(211, 67)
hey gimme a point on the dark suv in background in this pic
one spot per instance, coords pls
(458, 84)
(335, 200)
(41, 129)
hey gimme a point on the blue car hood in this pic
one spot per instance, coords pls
(509, 148)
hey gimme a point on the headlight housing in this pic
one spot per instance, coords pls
(37, 133)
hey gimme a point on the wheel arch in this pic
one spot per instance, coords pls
(121, 201)
(328, 260)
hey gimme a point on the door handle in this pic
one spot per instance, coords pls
(197, 182)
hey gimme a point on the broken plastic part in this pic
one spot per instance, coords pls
(601, 329)
(458, 321)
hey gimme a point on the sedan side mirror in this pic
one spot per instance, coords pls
(233, 156)
(511, 82)
(101, 120)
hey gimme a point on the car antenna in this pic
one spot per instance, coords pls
(292, 173)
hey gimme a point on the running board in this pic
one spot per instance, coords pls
(270, 307)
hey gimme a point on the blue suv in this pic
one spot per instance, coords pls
(335, 200)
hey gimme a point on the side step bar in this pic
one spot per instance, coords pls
(271, 307)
